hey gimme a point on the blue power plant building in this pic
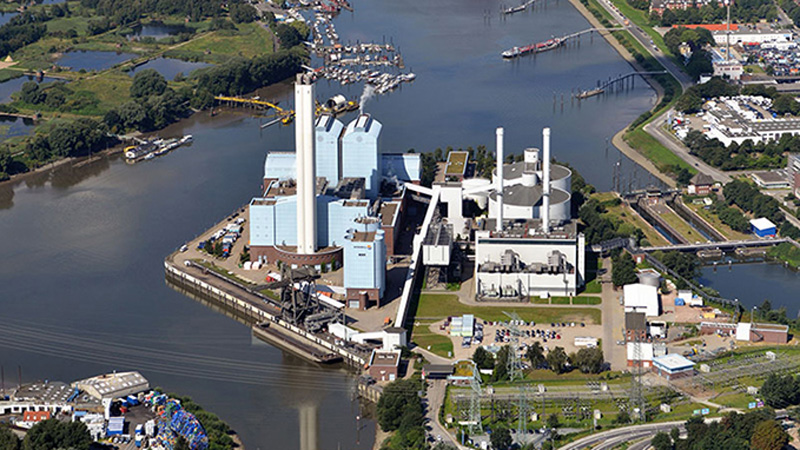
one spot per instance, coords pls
(355, 209)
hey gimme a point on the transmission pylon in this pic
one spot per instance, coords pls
(515, 373)
(474, 421)
(637, 404)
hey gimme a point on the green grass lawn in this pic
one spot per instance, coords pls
(559, 301)
(63, 24)
(593, 287)
(786, 252)
(249, 40)
(436, 343)
(682, 227)
(587, 300)
(661, 156)
(444, 305)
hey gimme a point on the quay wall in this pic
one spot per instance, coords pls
(261, 315)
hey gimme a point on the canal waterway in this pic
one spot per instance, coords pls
(84, 249)
(753, 283)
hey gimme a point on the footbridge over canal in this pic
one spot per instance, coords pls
(725, 245)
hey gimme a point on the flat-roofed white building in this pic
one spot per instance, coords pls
(641, 298)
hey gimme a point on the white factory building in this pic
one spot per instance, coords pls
(528, 246)
(640, 297)
(743, 36)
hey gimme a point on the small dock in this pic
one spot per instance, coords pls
(613, 82)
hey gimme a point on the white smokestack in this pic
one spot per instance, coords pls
(499, 181)
(546, 180)
(306, 173)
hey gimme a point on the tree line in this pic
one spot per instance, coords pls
(700, 61)
(48, 434)
(586, 360)
(22, 30)
(239, 75)
(400, 410)
(66, 139)
(123, 12)
(742, 11)
(750, 199)
(756, 430)
(747, 155)
(154, 105)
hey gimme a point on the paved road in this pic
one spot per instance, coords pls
(435, 397)
(644, 39)
(677, 147)
(612, 438)
(654, 127)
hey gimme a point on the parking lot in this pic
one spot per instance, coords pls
(494, 335)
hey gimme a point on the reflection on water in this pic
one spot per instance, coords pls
(92, 60)
(5, 17)
(9, 87)
(754, 283)
(14, 126)
(169, 67)
(158, 30)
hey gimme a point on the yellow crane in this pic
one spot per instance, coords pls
(286, 115)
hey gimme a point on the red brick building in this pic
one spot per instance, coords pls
(384, 365)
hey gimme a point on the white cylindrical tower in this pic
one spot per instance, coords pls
(546, 180)
(499, 187)
(306, 173)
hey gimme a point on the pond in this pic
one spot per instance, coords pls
(169, 67)
(6, 16)
(14, 126)
(157, 30)
(9, 87)
(93, 60)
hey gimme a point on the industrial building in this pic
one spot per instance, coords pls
(742, 118)
(642, 298)
(673, 366)
(749, 331)
(751, 35)
(113, 385)
(334, 201)
(384, 365)
(763, 227)
(635, 327)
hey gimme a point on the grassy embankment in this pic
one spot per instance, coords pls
(664, 159)
(622, 213)
(682, 227)
(786, 252)
(715, 221)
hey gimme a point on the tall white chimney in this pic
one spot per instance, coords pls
(499, 181)
(546, 181)
(306, 173)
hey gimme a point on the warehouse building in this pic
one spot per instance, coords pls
(641, 298)
(113, 385)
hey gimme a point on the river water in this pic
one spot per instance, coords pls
(82, 275)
